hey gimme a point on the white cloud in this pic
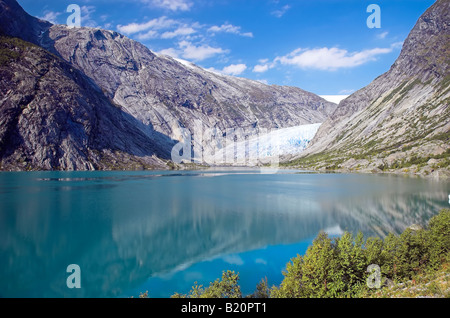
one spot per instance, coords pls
(330, 58)
(397, 45)
(261, 68)
(86, 11)
(162, 27)
(233, 260)
(50, 16)
(213, 70)
(383, 35)
(170, 52)
(279, 13)
(225, 28)
(229, 28)
(172, 5)
(178, 32)
(156, 24)
(151, 34)
(234, 69)
(86, 17)
(107, 26)
(199, 53)
(264, 66)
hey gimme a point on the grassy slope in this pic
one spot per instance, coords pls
(427, 285)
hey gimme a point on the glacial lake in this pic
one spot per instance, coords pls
(160, 232)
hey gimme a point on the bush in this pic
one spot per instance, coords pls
(329, 268)
(351, 265)
(439, 236)
(319, 265)
(338, 267)
(262, 290)
(228, 287)
(291, 286)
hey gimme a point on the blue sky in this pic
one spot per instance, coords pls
(322, 46)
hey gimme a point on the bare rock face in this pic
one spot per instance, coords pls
(169, 94)
(15, 22)
(53, 118)
(403, 112)
(149, 96)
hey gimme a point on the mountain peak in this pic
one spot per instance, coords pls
(402, 117)
(150, 98)
(15, 22)
(426, 50)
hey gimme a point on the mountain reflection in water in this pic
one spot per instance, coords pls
(129, 229)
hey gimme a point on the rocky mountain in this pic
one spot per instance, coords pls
(15, 22)
(53, 117)
(161, 95)
(402, 119)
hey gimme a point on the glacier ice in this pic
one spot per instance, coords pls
(241, 149)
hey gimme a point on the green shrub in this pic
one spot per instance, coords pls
(262, 290)
(338, 267)
(439, 236)
(319, 263)
(373, 249)
(350, 265)
(228, 287)
(413, 253)
(291, 286)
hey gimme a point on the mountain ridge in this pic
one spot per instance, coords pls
(52, 117)
(400, 121)
(155, 81)
(158, 94)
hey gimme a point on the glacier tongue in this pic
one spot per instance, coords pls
(293, 140)
(265, 147)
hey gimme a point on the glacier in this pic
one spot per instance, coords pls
(263, 148)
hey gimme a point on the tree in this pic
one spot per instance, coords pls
(262, 290)
(372, 250)
(338, 268)
(228, 287)
(389, 259)
(351, 265)
(413, 253)
(319, 263)
(439, 234)
(291, 286)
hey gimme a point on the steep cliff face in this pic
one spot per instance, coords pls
(14, 21)
(157, 95)
(402, 118)
(53, 118)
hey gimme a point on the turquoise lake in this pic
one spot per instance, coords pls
(160, 232)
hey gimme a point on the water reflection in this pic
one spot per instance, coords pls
(124, 228)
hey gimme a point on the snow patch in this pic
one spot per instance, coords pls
(185, 63)
(334, 98)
